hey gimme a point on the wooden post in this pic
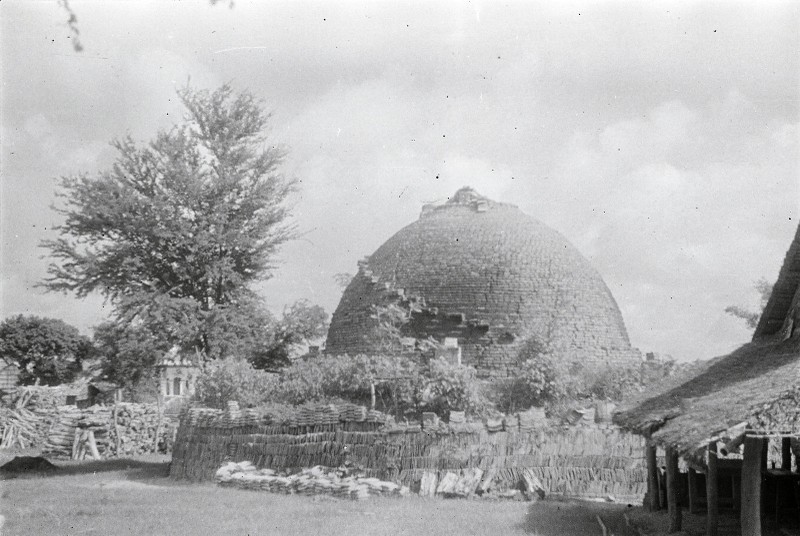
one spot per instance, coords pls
(786, 453)
(371, 395)
(93, 445)
(692, 480)
(712, 491)
(673, 496)
(653, 490)
(751, 486)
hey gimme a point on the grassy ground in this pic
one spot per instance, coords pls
(136, 497)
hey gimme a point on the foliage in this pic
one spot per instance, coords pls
(615, 384)
(45, 349)
(453, 387)
(177, 230)
(541, 380)
(396, 381)
(127, 352)
(234, 379)
(301, 323)
(764, 289)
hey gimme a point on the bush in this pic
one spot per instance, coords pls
(234, 379)
(615, 384)
(396, 381)
(453, 388)
(541, 381)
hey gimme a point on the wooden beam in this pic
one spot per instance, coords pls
(751, 486)
(653, 489)
(673, 496)
(712, 491)
(692, 488)
(786, 454)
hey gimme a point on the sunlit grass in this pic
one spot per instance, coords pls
(136, 497)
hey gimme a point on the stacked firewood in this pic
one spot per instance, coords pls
(20, 428)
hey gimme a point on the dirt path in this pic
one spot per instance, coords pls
(568, 518)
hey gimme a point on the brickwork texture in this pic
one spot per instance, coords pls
(494, 278)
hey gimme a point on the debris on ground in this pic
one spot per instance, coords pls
(316, 480)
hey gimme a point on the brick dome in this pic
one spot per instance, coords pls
(492, 277)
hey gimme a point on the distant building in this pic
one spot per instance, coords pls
(9, 376)
(177, 374)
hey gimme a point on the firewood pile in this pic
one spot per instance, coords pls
(580, 461)
(97, 431)
(316, 480)
(22, 428)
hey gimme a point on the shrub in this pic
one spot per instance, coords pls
(615, 384)
(396, 381)
(234, 379)
(453, 387)
(540, 381)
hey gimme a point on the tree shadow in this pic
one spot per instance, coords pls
(133, 469)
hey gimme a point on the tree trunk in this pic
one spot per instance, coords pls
(712, 491)
(653, 490)
(751, 486)
(786, 454)
(673, 496)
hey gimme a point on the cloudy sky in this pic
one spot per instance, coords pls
(660, 138)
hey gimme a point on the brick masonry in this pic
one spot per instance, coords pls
(491, 276)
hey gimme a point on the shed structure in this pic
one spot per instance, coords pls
(490, 279)
(9, 376)
(177, 374)
(747, 398)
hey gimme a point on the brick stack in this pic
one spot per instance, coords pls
(587, 461)
(492, 277)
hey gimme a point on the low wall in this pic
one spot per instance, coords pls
(584, 461)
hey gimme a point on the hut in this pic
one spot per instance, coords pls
(747, 399)
(9, 376)
(177, 374)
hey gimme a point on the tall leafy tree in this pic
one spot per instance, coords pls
(45, 349)
(302, 323)
(177, 230)
(750, 317)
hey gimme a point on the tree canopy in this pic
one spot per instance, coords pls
(45, 349)
(302, 323)
(764, 289)
(177, 230)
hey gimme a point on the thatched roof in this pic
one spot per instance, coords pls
(755, 388)
(785, 294)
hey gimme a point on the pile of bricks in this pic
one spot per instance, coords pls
(595, 461)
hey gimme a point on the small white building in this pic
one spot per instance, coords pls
(177, 374)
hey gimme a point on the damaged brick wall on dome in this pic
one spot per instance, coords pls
(495, 279)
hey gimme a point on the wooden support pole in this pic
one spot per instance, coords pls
(751, 486)
(673, 496)
(712, 491)
(692, 480)
(93, 445)
(786, 453)
(653, 491)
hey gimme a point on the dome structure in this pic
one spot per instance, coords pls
(491, 277)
